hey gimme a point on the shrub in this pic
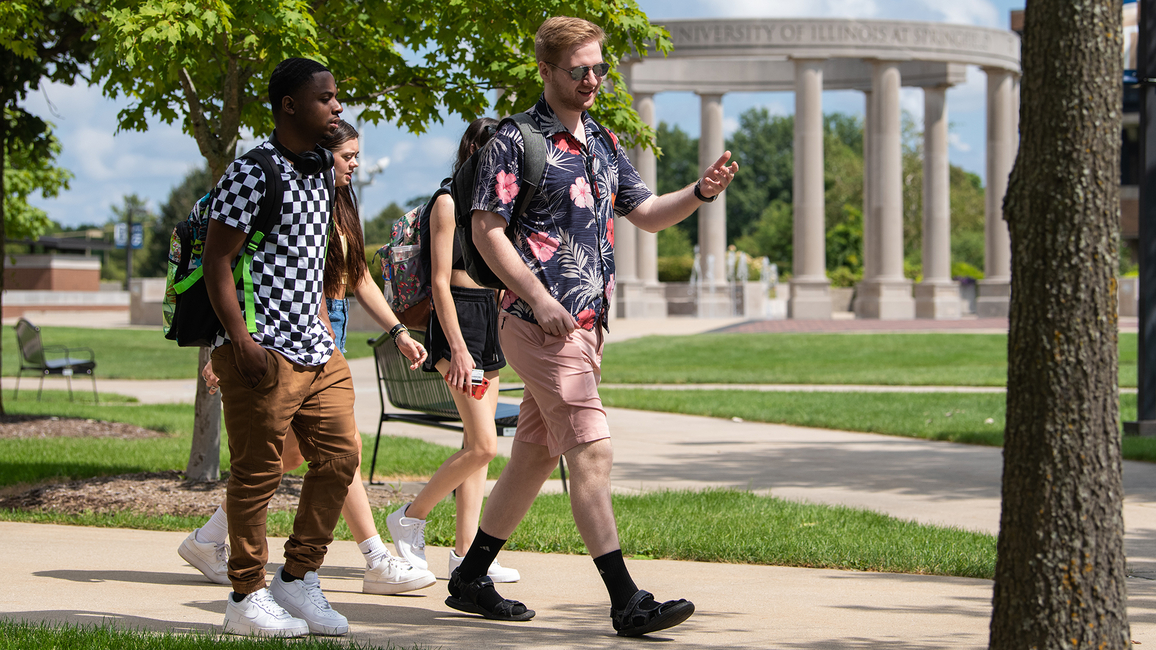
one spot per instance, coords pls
(675, 268)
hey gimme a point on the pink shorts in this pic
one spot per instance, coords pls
(560, 406)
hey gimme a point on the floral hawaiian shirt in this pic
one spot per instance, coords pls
(566, 237)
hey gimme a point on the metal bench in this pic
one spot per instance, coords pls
(427, 396)
(34, 358)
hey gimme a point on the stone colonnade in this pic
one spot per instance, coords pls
(810, 68)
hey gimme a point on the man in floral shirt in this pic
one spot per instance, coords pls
(560, 272)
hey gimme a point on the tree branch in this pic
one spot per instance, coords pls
(201, 131)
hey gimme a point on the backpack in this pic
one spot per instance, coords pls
(188, 316)
(406, 267)
(532, 174)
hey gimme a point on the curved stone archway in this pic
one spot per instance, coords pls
(808, 56)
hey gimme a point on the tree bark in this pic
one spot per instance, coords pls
(205, 455)
(1059, 579)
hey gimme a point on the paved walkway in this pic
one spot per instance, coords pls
(135, 577)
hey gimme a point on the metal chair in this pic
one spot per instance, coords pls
(33, 358)
(428, 395)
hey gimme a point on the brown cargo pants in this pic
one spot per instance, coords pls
(316, 405)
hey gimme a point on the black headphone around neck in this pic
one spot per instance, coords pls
(308, 163)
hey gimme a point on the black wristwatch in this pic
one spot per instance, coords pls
(698, 195)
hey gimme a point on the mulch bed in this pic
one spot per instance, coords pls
(150, 493)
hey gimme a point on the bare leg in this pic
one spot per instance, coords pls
(356, 510)
(529, 467)
(469, 510)
(590, 466)
(481, 445)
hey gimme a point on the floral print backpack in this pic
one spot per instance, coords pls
(405, 266)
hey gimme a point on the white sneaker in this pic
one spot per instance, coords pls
(259, 614)
(208, 558)
(393, 575)
(408, 535)
(497, 572)
(303, 599)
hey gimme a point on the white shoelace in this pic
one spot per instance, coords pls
(419, 531)
(314, 593)
(265, 601)
(223, 553)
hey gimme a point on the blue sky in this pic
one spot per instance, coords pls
(109, 165)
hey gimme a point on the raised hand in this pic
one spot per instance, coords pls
(716, 177)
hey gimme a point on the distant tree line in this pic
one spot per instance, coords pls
(760, 215)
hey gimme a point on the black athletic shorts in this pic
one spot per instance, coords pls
(478, 320)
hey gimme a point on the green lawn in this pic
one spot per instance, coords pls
(888, 359)
(134, 353)
(956, 417)
(892, 359)
(709, 526)
(22, 635)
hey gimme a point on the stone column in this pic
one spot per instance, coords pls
(870, 164)
(994, 291)
(937, 296)
(714, 301)
(810, 288)
(886, 294)
(637, 293)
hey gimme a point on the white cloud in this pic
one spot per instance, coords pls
(911, 101)
(969, 96)
(401, 151)
(966, 12)
(730, 125)
(956, 142)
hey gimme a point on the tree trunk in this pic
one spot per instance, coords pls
(1059, 579)
(205, 455)
(205, 452)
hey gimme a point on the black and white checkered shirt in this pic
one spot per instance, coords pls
(289, 265)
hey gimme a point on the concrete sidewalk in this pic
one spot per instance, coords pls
(135, 578)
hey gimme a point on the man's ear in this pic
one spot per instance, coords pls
(543, 70)
(288, 106)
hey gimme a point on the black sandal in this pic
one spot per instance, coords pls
(464, 597)
(634, 621)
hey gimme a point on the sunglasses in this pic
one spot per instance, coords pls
(579, 73)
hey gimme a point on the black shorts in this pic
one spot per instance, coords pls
(478, 320)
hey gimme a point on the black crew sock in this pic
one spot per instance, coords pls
(287, 577)
(480, 556)
(619, 584)
(238, 597)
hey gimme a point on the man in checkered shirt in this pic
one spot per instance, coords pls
(286, 378)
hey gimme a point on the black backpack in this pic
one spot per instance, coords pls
(188, 316)
(532, 174)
